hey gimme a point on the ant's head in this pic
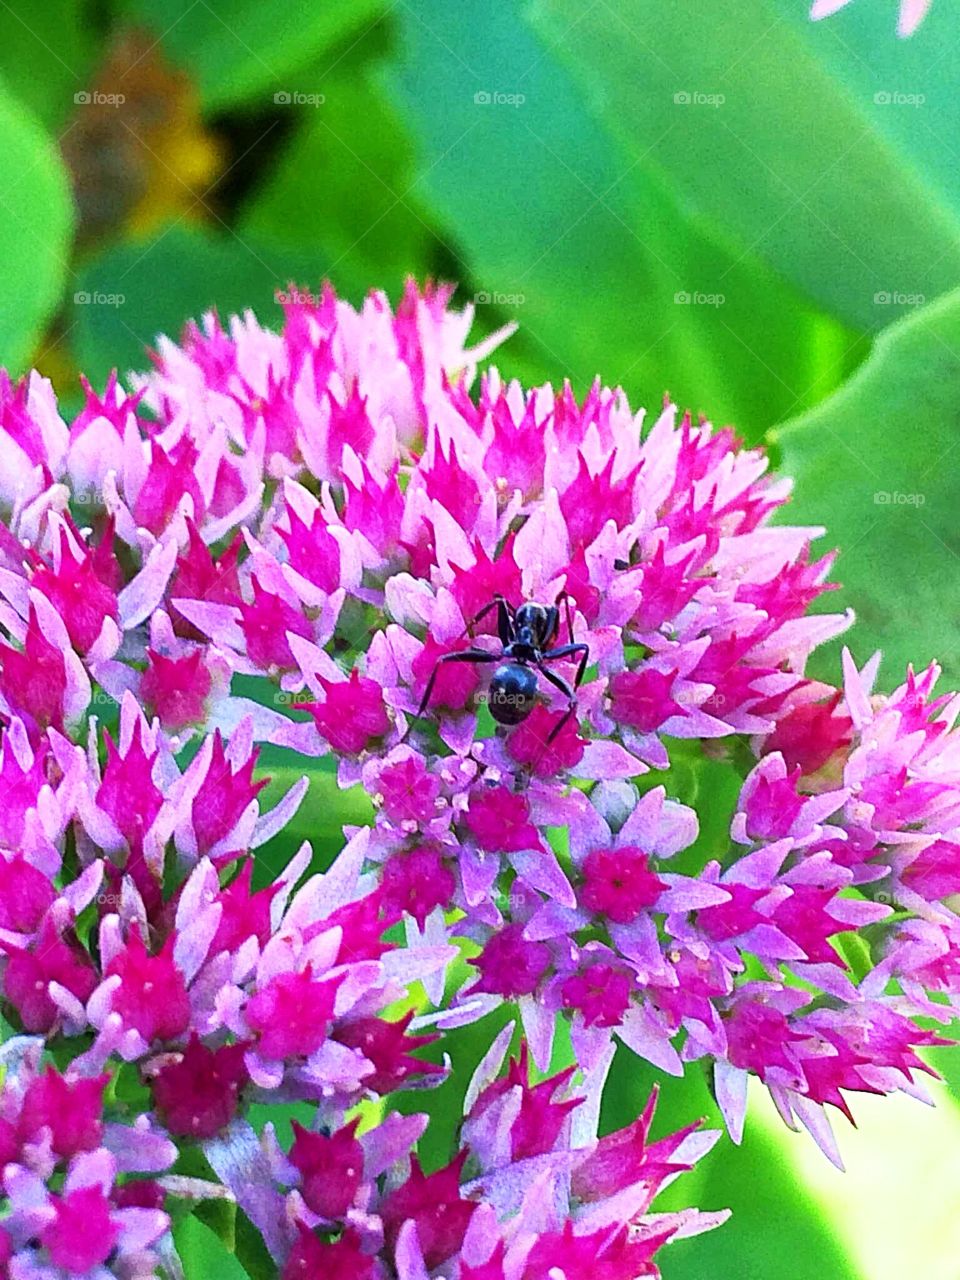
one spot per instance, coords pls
(541, 622)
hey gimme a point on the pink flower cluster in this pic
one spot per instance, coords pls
(73, 1192)
(541, 1190)
(293, 539)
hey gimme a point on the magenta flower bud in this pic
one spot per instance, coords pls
(352, 714)
(331, 1168)
(197, 1095)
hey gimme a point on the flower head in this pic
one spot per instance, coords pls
(509, 624)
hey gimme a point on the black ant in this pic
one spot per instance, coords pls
(527, 636)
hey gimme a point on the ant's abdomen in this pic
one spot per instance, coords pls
(512, 693)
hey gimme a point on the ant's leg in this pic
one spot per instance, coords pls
(479, 617)
(505, 627)
(467, 655)
(559, 683)
(565, 597)
(559, 727)
(504, 619)
(568, 651)
(551, 626)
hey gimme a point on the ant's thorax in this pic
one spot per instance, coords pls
(523, 649)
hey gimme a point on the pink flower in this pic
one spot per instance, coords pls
(642, 699)
(352, 714)
(409, 793)
(128, 793)
(511, 966)
(418, 881)
(199, 577)
(313, 550)
(224, 795)
(292, 1014)
(33, 681)
(389, 1047)
(619, 884)
(500, 820)
(541, 1198)
(912, 13)
(33, 976)
(265, 623)
(197, 1094)
(331, 1168)
(610, 1253)
(546, 752)
(542, 1115)
(33, 437)
(176, 689)
(79, 586)
(342, 1260)
(151, 995)
(810, 734)
(69, 1110)
(82, 1232)
(26, 895)
(65, 1208)
(434, 1204)
(600, 993)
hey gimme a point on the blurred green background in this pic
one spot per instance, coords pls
(758, 215)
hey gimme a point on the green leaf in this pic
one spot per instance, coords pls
(590, 250)
(761, 124)
(35, 227)
(885, 1218)
(252, 1252)
(250, 50)
(876, 465)
(134, 291)
(773, 1216)
(344, 180)
(444, 1105)
(322, 815)
(204, 1255)
(855, 951)
(711, 787)
(281, 1115)
(887, 1211)
(47, 54)
(906, 87)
